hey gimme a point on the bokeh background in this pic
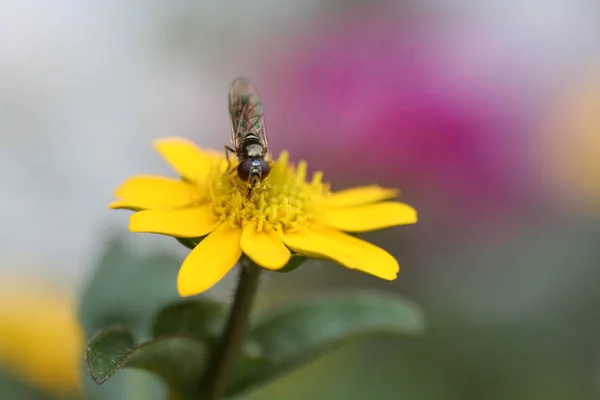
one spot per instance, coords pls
(485, 113)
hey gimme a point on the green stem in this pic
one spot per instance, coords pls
(223, 361)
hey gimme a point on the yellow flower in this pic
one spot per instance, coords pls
(40, 339)
(572, 160)
(287, 213)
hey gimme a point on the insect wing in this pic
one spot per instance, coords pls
(245, 112)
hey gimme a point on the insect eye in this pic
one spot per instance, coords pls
(265, 168)
(243, 170)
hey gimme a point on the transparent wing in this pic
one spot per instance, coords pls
(245, 112)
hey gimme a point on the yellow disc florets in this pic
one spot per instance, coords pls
(285, 200)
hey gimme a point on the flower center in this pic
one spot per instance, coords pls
(285, 200)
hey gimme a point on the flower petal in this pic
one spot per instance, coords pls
(186, 158)
(210, 261)
(155, 192)
(360, 195)
(347, 250)
(265, 248)
(184, 222)
(371, 216)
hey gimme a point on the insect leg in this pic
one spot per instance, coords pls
(232, 181)
(231, 171)
(250, 194)
(227, 151)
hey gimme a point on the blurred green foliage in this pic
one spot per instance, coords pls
(134, 319)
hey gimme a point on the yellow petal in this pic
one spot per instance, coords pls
(360, 195)
(210, 261)
(371, 216)
(183, 222)
(186, 158)
(265, 248)
(347, 250)
(155, 192)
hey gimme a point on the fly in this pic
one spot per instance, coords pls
(248, 136)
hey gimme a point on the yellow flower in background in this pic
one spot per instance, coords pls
(288, 213)
(40, 339)
(570, 138)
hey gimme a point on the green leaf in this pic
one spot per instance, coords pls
(199, 319)
(127, 288)
(179, 361)
(107, 351)
(295, 334)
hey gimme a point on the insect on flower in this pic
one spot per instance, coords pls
(248, 136)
